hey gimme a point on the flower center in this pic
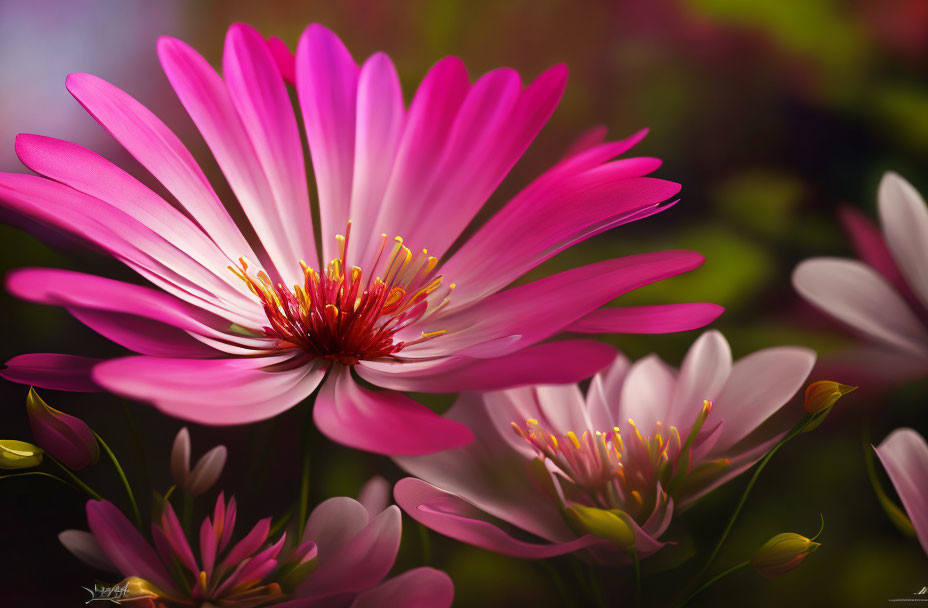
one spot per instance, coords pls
(620, 469)
(340, 315)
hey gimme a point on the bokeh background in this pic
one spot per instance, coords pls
(772, 114)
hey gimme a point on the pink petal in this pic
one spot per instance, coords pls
(428, 122)
(550, 363)
(453, 516)
(54, 371)
(334, 522)
(211, 391)
(386, 422)
(124, 546)
(142, 335)
(904, 218)
(759, 385)
(248, 545)
(209, 103)
(327, 86)
(705, 369)
(207, 470)
(375, 495)
(174, 534)
(284, 58)
(90, 173)
(855, 294)
(180, 458)
(604, 395)
(361, 562)
(659, 319)
(647, 394)
(380, 120)
(417, 588)
(84, 546)
(870, 247)
(493, 128)
(208, 546)
(490, 472)
(588, 139)
(163, 154)
(128, 240)
(544, 307)
(905, 455)
(259, 95)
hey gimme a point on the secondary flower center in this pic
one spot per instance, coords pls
(621, 468)
(342, 315)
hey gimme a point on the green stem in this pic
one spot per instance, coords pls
(75, 479)
(122, 477)
(747, 490)
(425, 543)
(280, 523)
(637, 566)
(303, 498)
(41, 474)
(186, 510)
(558, 580)
(711, 581)
(595, 588)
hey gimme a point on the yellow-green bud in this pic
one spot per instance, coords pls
(782, 553)
(822, 395)
(19, 454)
(608, 524)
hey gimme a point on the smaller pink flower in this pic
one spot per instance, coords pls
(65, 437)
(588, 471)
(345, 553)
(904, 454)
(207, 470)
(883, 297)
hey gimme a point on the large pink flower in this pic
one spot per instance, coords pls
(646, 441)
(884, 296)
(248, 315)
(347, 549)
(905, 456)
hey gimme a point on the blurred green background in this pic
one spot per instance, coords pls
(772, 114)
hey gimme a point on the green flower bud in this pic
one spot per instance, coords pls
(822, 395)
(19, 454)
(608, 524)
(782, 553)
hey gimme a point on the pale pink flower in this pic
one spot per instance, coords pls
(883, 296)
(240, 328)
(346, 551)
(646, 440)
(204, 474)
(904, 454)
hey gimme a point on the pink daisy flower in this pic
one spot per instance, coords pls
(582, 472)
(883, 296)
(248, 316)
(347, 550)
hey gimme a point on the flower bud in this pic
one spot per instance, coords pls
(204, 474)
(822, 395)
(608, 524)
(782, 553)
(65, 437)
(19, 454)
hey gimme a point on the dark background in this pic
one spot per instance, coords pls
(771, 115)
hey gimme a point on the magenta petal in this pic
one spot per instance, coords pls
(455, 517)
(54, 371)
(905, 455)
(417, 588)
(208, 546)
(549, 363)
(327, 87)
(386, 422)
(870, 247)
(659, 319)
(284, 58)
(361, 562)
(124, 546)
(248, 545)
(174, 534)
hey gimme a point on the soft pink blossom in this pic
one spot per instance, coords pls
(883, 297)
(904, 454)
(204, 474)
(341, 561)
(236, 330)
(646, 440)
(65, 437)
